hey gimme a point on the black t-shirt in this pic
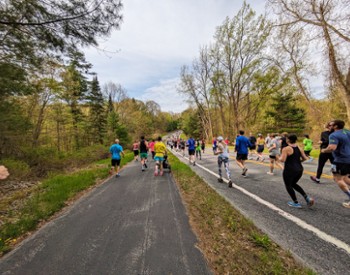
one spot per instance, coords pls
(325, 139)
(252, 140)
(143, 147)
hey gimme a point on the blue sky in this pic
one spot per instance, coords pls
(156, 38)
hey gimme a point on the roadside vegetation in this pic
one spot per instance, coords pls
(230, 242)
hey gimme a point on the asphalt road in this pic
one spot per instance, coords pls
(135, 224)
(318, 236)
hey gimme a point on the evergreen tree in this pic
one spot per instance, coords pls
(97, 111)
(285, 116)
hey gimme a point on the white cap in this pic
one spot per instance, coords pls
(220, 138)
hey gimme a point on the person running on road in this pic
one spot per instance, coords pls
(339, 145)
(116, 150)
(261, 146)
(252, 148)
(203, 145)
(323, 157)
(284, 143)
(151, 148)
(160, 151)
(191, 143)
(143, 153)
(274, 152)
(308, 147)
(241, 146)
(135, 148)
(214, 145)
(223, 158)
(198, 149)
(292, 157)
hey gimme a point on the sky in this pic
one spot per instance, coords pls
(156, 38)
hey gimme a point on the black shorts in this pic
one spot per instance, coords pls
(136, 152)
(272, 157)
(260, 148)
(253, 147)
(115, 162)
(242, 157)
(191, 152)
(342, 169)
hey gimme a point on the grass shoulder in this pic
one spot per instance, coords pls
(230, 242)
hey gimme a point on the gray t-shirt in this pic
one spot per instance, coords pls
(276, 150)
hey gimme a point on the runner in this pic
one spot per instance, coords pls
(191, 143)
(252, 148)
(214, 145)
(116, 150)
(339, 145)
(151, 148)
(160, 151)
(292, 156)
(274, 152)
(143, 153)
(308, 147)
(284, 137)
(182, 146)
(323, 157)
(223, 158)
(241, 146)
(135, 148)
(260, 142)
(203, 145)
(198, 150)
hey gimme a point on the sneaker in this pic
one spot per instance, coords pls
(270, 173)
(155, 173)
(230, 184)
(142, 169)
(161, 173)
(117, 175)
(145, 165)
(257, 158)
(346, 204)
(194, 163)
(263, 159)
(220, 180)
(244, 171)
(293, 204)
(313, 178)
(310, 201)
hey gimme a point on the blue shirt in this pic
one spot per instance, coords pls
(242, 145)
(191, 144)
(115, 150)
(341, 138)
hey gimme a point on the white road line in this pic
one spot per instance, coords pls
(322, 235)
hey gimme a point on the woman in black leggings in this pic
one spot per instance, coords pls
(292, 157)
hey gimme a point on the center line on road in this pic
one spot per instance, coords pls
(322, 235)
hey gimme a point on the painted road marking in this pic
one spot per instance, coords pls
(322, 235)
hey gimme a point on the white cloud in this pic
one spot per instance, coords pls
(156, 39)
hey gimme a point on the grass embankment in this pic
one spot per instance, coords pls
(230, 242)
(35, 206)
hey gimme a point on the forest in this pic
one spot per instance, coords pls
(56, 115)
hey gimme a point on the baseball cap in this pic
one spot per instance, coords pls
(220, 138)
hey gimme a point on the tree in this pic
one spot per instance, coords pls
(284, 116)
(329, 23)
(97, 111)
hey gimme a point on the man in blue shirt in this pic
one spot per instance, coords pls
(242, 145)
(339, 145)
(191, 150)
(115, 151)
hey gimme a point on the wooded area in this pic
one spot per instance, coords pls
(256, 76)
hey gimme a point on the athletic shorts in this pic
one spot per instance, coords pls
(160, 159)
(342, 168)
(143, 155)
(272, 157)
(115, 162)
(260, 148)
(307, 153)
(242, 157)
(191, 152)
(136, 152)
(253, 147)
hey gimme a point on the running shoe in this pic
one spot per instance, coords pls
(194, 163)
(257, 158)
(156, 173)
(270, 173)
(142, 169)
(145, 165)
(313, 178)
(263, 159)
(310, 201)
(346, 204)
(220, 180)
(230, 184)
(244, 171)
(117, 175)
(294, 204)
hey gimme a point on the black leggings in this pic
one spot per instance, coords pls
(291, 179)
(322, 159)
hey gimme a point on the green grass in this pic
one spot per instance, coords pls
(50, 197)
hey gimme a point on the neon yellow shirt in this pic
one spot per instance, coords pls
(159, 149)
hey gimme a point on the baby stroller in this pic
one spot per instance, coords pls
(166, 165)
